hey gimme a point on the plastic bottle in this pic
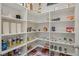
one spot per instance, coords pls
(4, 45)
(21, 40)
(17, 41)
(14, 42)
(9, 43)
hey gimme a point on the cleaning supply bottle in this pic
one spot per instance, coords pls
(17, 41)
(4, 45)
(10, 43)
(14, 42)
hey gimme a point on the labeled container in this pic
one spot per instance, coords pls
(17, 41)
(4, 45)
(9, 43)
(21, 40)
(14, 42)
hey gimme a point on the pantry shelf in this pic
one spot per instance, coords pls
(62, 32)
(31, 49)
(63, 43)
(37, 21)
(31, 21)
(63, 9)
(62, 21)
(10, 49)
(42, 47)
(43, 31)
(31, 32)
(62, 52)
(35, 47)
(13, 21)
(43, 39)
(9, 18)
(16, 6)
(13, 34)
(53, 21)
(28, 42)
(40, 53)
(33, 54)
(24, 32)
(38, 32)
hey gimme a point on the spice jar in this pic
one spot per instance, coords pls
(18, 16)
(60, 48)
(55, 47)
(65, 50)
(53, 28)
(70, 40)
(65, 39)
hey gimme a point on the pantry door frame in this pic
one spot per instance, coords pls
(0, 27)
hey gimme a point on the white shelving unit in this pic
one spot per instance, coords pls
(57, 37)
(60, 33)
(36, 28)
(8, 15)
